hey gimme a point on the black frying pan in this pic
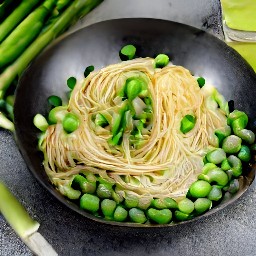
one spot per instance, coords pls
(98, 45)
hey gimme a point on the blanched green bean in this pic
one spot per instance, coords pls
(236, 165)
(137, 215)
(202, 205)
(216, 156)
(90, 202)
(244, 153)
(215, 194)
(181, 216)
(163, 216)
(200, 188)
(186, 206)
(120, 214)
(108, 207)
(131, 201)
(232, 144)
(104, 191)
(215, 175)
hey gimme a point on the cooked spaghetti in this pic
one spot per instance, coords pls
(140, 148)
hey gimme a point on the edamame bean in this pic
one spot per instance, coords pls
(236, 165)
(202, 205)
(161, 60)
(216, 156)
(57, 114)
(164, 203)
(80, 182)
(181, 216)
(90, 202)
(144, 203)
(104, 191)
(215, 175)
(244, 153)
(186, 206)
(163, 216)
(127, 52)
(131, 201)
(108, 207)
(120, 214)
(200, 188)
(232, 144)
(233, 186)
(222, 133)
(215, 194)
(69, 192)
(137, 215)
(207, 167)
(70, 122)
(225, 166)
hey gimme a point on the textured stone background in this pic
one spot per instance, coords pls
(231, 231)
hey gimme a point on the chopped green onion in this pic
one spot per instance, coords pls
(54, 100)
(187, 123)
(127, 52)
(40, 122)
(201, 81)
(133, 88)
(100, 120)
(71, 82)
(88, 70)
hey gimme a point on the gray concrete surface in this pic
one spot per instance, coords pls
(231, 231)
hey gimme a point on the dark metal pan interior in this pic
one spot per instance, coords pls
(98, 45)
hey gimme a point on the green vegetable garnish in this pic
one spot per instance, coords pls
(88, 70)
(187, 123)
(71, 82)
(161, 60)
(40, 122)
(127, 52)
(54, 101)
(201, 81)
(70, 122)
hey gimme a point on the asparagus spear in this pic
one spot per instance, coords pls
(16, 17)
(25, 227)
(6, 7)
(68, 17)
(25, 33)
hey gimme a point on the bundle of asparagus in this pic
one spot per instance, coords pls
(26, 28)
